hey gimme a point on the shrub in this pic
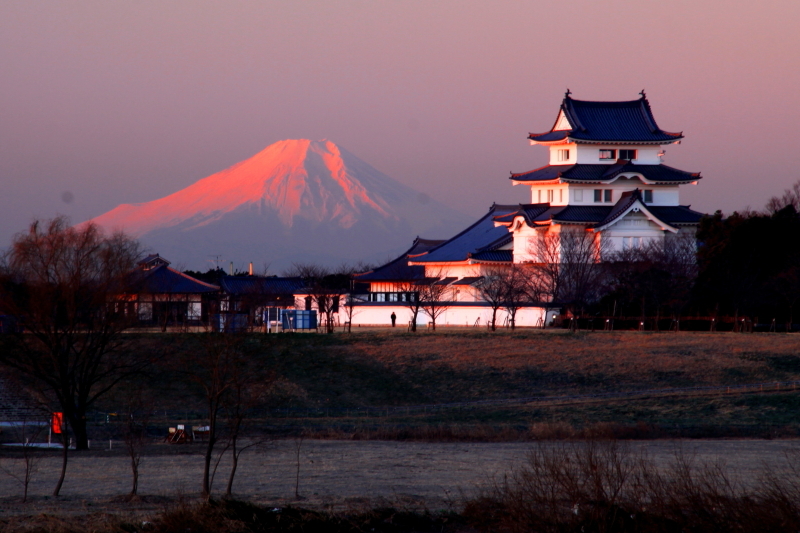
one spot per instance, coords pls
(602, 486)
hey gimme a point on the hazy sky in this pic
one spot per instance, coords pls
(103, 103)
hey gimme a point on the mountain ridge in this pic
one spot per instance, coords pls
(295, 195)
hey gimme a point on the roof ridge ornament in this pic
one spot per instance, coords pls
(566, 94)
(642, 94)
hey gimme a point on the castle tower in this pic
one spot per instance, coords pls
(605, 177)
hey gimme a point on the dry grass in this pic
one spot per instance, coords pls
(341, 384)
(594, 485)
(603, 486)
(619, 357)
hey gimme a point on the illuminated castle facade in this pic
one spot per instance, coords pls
(605, 176)
(605, 182)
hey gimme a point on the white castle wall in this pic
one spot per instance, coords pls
(380, 315)
(563, 194)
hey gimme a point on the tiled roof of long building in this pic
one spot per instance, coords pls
(493, 256)
(165, 280)
(261, 285)
(602, 173)
(615, 122)
(479, 235)
(470, 280)
(399, 269)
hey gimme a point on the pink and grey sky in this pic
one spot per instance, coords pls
(103, 103)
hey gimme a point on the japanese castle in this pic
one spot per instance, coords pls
(605, 179)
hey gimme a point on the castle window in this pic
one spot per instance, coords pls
(550, 195)
(632, 243)
(627, 155)
(608, 154)
(602, 195)
(578, 194)
(563, 155)
(648, 196)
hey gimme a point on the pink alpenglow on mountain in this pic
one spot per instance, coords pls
(296, 200)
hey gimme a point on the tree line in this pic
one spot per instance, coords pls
(742, 269)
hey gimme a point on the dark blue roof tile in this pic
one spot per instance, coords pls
(494, 256)
(603, 173)
(165, 280)
(675, 214)
(261, 285)
(399, 269)
(480, 235)
(468, 280)
(588, 214)
(614, 122)
(626, 199)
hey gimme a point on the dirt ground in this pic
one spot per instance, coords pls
(333, 474)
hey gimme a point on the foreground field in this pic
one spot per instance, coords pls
(484, 393)
(340, 474)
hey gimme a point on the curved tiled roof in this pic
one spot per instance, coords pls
(616, 122)
(675, 214)
(600, 173)
(585, 214)
(399, 269)
(598, 215)
(499, 243)
(493, 256)
(626, 200)
(165, 280)
(478, 236)
(261, 285)
(530, 212)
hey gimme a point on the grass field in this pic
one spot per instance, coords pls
(378, 383)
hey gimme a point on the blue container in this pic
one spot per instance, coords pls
(297, 319)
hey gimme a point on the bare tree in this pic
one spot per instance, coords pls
(786, 285)
(494, 291)
(679, 260)
(352, 296)
(434, 292)
(134, 432)
(29, 432)
(212, 371)
(248, 390)
(548, 276)
(790, 196)
(326, 288)
(298, 445)
(351, 301)
(231, 384)
(519, 290)
(569, 267)
(660, 274)
(583, 272)
(62, 287)
(409, 293)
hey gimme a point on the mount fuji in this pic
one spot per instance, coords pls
(295, 201)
